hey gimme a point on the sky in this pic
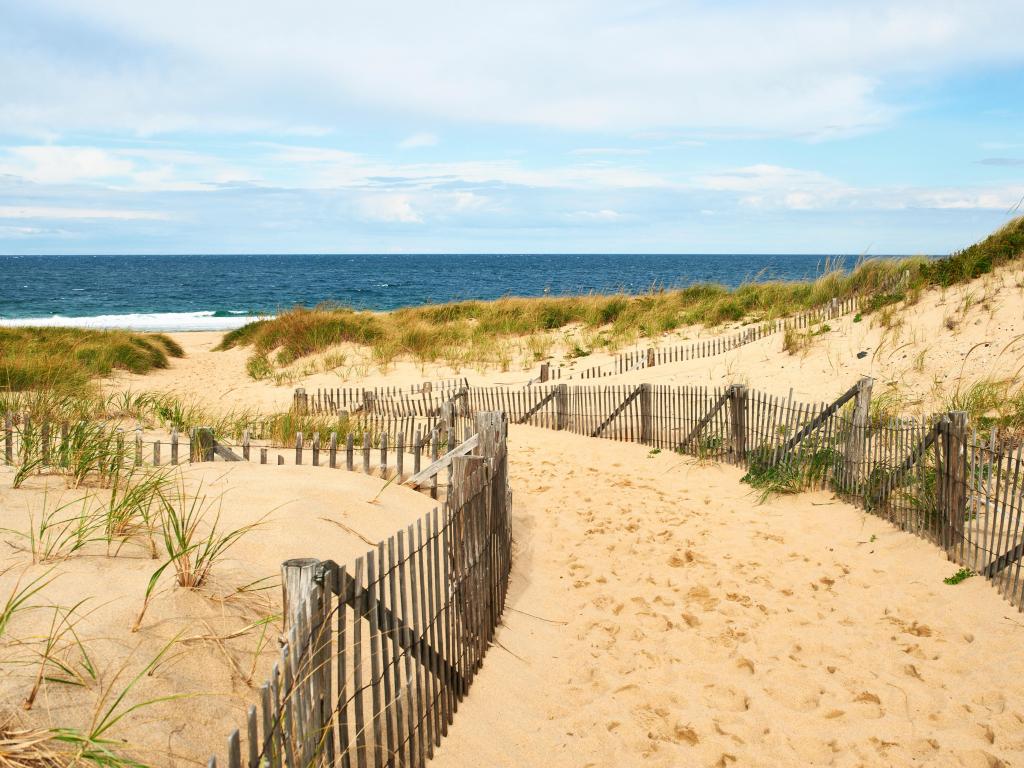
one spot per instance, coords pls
(862, 127)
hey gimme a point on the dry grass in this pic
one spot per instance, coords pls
(68, 359)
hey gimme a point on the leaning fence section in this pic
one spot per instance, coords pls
(379, 653)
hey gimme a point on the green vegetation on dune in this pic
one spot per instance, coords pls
(430, 333)
(69, 359)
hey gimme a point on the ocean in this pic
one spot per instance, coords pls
(219, 292)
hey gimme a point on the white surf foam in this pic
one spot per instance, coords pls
(155, 321)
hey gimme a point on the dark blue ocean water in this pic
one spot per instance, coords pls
(184, 292)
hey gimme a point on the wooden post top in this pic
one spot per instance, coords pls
(297, 579)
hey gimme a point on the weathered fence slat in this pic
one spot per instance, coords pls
(704, 421)
(443, 462)
(614, 414)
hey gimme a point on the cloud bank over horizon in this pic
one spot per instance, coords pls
(880, 127)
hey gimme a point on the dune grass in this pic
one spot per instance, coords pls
(69, 359)
(471, 331)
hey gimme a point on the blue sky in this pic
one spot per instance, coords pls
(861, 127)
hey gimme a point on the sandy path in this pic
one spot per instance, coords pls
(682, 624)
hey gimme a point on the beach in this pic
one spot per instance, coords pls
(659, 611)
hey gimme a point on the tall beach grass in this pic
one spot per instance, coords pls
(69, 359)
(475, 330)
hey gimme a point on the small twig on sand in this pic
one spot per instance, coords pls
(510, 653)
(540, 618)
(353, 531)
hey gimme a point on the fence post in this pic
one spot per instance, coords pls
(955, 471)
(369, 401)
(646, 418)
(856, 441)
(650, 357)
(738, 421)
(302, 581)
(301, 401)
(545, 372)
(488, 427)
(447, 416)
(562, 407)
(45, 439)
(202, 445)
(465, 544)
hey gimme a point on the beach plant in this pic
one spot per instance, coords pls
(52, 666)
(135, 504)
(67, 360)
(192, 539)
(258, 367)
(58, 532)
(961, 575)
(92, 451)
(771, 472)
(93, 744)
(18, 599)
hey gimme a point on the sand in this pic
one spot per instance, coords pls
(658, 614)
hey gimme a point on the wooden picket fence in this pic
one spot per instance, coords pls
(647, 358)
(394, 448)
(423, 399)
(379, 654)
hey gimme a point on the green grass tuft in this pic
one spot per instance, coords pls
(66, 360)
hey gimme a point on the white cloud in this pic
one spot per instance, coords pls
(608, 151)
(60, 164)
(389, 208)
(57, 212)
(468, 201)
(603, 215)
(789, 67)
(418, 140)
(771, 186)
(167, 169)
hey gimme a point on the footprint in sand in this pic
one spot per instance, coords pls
(993, 701)
(680, 560)
(979, 758)
(868, 705)
(793, 691)
(661, 725)
(725, 698)
(702, 597)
